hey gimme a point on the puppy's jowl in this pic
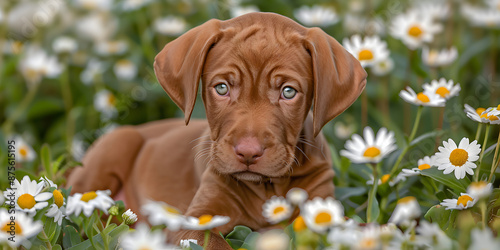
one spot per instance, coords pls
(269, 85)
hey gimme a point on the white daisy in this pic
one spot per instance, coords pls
(368, 51)
(414, 29)
(78, 148)
(64, 44)
(205, 222)
(344, 238)
(476, 114)
(423, 164)
(125, 69)
(438, 10)
(492, 111)
(297, 196)
(57, 210)
(102, 5)
(384, 178)
(459, 159)
(143, 238)
(187, 243)
(383, 67)
(435, 58)
(359, 24)
(104, 102)
(170, 26)
(406, 211)
(47, 183)
(483, 239)
(320, 214)
(24, 228)
(316, 16)
(237, 11)
(24, 152)
(431, 236)
(480, 189)
(160, 213)
(273, 240)
(422, 98)
(36, 64)
(89, 201)
(372, 149)
(445, 89)
(131, 5)
(107, 48)
(481, 17)
(463, 202)
(344, 130)
(129, 217)
(276, 210)
(28, 195)
(97, 27)
(369, 238)
(94, 69)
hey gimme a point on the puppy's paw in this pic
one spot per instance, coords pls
(215, 242)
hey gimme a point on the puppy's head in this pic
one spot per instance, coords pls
(261, 73)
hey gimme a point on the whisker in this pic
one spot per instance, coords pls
(303, 153)
(203, 136)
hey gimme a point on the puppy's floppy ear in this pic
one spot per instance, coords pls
(338, 77)
(179, 65)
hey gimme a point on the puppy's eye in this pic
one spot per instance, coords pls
(222, 89)
(288, 93)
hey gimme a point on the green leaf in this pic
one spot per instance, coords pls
(56, 247)
(71, 237)
(98, 241)
(375, 210)
(195, 246)
(237, 237)
(250, 241)
(447, 179)
(343, 193)
(46, 159)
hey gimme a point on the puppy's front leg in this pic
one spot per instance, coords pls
(214, 197)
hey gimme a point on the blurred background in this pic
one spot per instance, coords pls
(72, 70)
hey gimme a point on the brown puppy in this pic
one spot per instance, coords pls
(261, 74)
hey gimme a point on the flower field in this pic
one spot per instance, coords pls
(415, 157)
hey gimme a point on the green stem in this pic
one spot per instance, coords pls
(28, 98)
(415, 125)
(494, 164)
(109, 220)
(476, 177)
(372, 196)
(483, 207)
(46, 239)
(478, 132)
(207, 237)
(410, 139)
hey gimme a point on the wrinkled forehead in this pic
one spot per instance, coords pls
(260, 50)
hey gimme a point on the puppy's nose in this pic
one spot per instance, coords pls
(248, 150)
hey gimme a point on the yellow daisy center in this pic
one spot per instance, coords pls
(491, 117)
(18, 230)
(365, 55)
(442, 91)
(385, 178)
(171, 210)
(204, 219)
(145, 248)
(415, 31)
(17, 47)
(423, 97)
(479, 111)
(478, 185)
(368, 243)
(406, 200)
(278, 210)
(23, 151)
(424, 166)
(26, 201)
(58, 198)
(111, 99)
(88, 196)
(299, 224)
(498, 107)
(463, 200)
(323, 218)
(458, 157)
(372, 152)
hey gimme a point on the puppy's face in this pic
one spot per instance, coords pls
(257, 91)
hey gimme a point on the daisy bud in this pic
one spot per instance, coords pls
(114, 210)
(187, 243)
(129, 217)
(297, 196)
